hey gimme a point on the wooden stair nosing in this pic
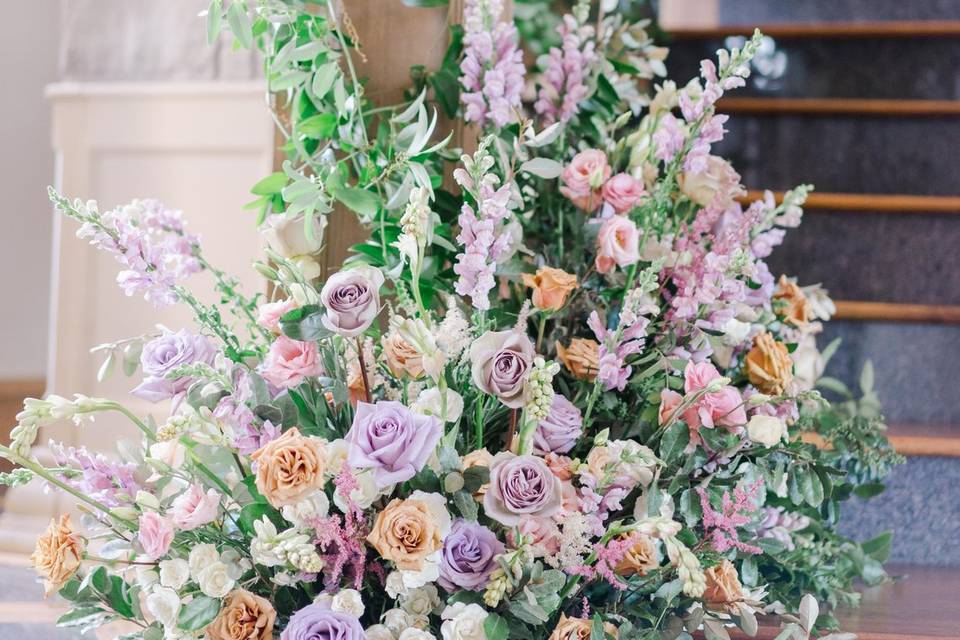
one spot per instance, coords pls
(801, 30)
(869, 202)
(840, 106)
(897, 312)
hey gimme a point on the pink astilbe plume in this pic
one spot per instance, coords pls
(608, 556)
(342, 540)
(721, 526)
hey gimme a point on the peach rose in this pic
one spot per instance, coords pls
(542, 534)
(794, 306)
(581, 358)
(406, 533)
(618, 243)
(289, 468)
(578, 629)
(719, 182)
(769, 367)
(584, 177)
(640, 559)
(560, 466)
(57, 555)
(550, 287)
(478, 458)
(402, 357)
(723, 587)
(243, 616)
(623, 192)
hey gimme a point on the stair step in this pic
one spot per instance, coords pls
(823, 29)
(840, 106)
(860, 154)
(869, 202)
(898, 312)
(925, 440)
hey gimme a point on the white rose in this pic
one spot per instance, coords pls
(316, 505)
(215, 580)
(765, 430)
(174, 573)
(416, 634)
(201, 557)
(366, 492)
(421, 601)
(164, 605)
(348, 601)
(703, 187)
(379, 632)
(463, 622)
(428, 404)
(397, 620)
(288, 235)
(395, 587)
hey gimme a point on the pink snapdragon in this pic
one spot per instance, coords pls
(492, 67)
(564, 84)
(112, 483)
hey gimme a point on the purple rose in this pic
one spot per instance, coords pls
(164, 354)
(560, 430)
(521, 487)
(501, 361)
(352, 300)
(392, 440)
(318, 622)
(468, 556)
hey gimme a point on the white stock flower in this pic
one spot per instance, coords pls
(174, 573)
(429, 404)
(164, 605)
(379, 632)
(348, 601)
(396, 620)
(463, 622)
(735, 331)
(421, 601)
(201, 557)
(215, 580)
(765, 430)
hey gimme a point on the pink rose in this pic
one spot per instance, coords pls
(501, 361)
(156, 534)
(698, 376)
(623, 192)
(584, 177)
(194, 508)
(352, 300)
(542, 532)
(617, 243)
(290, 361)
(722, 409)
(269, 314)
(669, 401)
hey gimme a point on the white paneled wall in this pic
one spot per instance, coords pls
(197, 147)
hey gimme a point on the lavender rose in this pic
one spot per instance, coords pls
(468, 556)
(560, 430)
(392, 440)
(501, 361)
(319, 622)
(521, 487)
(164, 354)
(352, 300)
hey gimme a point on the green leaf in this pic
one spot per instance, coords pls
(305, 323)
(84, 618)
(240, 24)
(100, 581)
(272, 184)
(675, 440)
(214, 20)
(363, 202)
(812, 488)
(546, 168)
(748, 571)
(879, 548)
(466, 504)
(868, 490)
(323, 79)
(198, 613)
(495, 627)
(319, 126)
(446, 90)
(866, 377)
(597, 631)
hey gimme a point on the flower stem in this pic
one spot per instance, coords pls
(363, 371)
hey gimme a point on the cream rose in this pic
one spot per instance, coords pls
(164, 605)
(174, 573)
(289, 468)
(215, 580)
(765, 430)
(463, 622)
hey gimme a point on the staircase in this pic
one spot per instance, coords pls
(862, 99)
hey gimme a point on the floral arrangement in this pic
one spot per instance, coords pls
(565, 398)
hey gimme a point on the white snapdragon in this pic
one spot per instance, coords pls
(463, 622)
(163, 604)
(415, 332)
(417, 224)
(174, 573)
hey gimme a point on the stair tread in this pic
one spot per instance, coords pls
(864, 29)
(871, 106)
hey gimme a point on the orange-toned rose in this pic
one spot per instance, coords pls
(355, 385)
(640, 559)
(478, 458)
(289, 468)
(560, 466)
(794, 307)
(402, 357)
(581, 358)
(578, 629)
(406, 533)
(243, 616)
(57, 555)
(550, 287)
(723, 587)
(769, 367)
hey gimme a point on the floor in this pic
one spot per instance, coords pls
(23, 612)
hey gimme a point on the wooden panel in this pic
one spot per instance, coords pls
(879, 29)
(870, 202)
(897, 312)
(12, 393)
(841, 106)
